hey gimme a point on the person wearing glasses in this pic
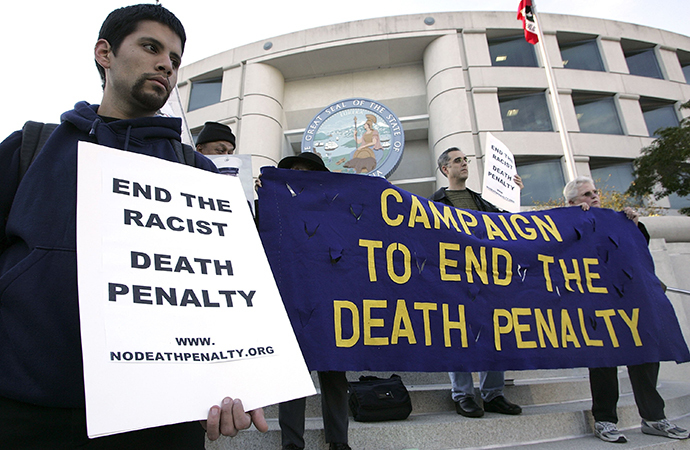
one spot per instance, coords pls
(454, 165)
(603, 381)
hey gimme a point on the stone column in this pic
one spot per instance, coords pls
(612, 54)
(669, 63)
(632, 118)
(261, 114)
(449, 114)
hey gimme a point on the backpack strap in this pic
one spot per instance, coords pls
(34, 137)
(189, 155)
(184, 153)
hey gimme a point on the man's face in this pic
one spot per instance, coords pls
(587, 193)
(216, 148)
(144, 71)
(457, 168)
(301, 166)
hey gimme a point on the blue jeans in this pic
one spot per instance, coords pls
(490, 385)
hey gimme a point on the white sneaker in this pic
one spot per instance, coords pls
(607, 431)
(664, 428)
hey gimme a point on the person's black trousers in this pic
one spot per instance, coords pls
(603, 383)
(333, 407)
(24, 426)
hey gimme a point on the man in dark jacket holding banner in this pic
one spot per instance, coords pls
(454, 165)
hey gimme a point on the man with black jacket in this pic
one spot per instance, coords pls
(42, 403)
(455, 166)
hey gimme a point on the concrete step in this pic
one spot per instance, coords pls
(430, 392)
(563, 423)
(636, 440)
(411, 378)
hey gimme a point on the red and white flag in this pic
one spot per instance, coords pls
(528, 23)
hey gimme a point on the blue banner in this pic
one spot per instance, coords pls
(376, 278)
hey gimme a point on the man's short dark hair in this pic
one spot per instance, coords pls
(124, 21)
(444, 159)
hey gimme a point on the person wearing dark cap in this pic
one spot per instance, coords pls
(333, 384)
(303, 161)
(215, 139)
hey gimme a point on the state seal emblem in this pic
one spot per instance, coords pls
(356, 136)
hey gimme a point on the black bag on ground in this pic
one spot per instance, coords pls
(374, 399)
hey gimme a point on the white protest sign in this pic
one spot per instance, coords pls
(177, 302)
(499, 170)
(173, 108)
(237, 166)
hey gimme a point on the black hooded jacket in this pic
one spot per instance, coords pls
(40, 345)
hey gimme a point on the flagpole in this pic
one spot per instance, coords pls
(555, 101)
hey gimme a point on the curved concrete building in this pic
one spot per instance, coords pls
(451, 78)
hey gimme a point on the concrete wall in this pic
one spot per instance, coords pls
(670, 248)
(439, 81)
(441, 71)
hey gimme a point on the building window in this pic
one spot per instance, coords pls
(684, 60)
(583, 55)
(678, 202)
(596, 114)
(658, 114)
(611, 175)
(641, 59)
(512, 51)
(543, 181)
(524, 111)
(686, 72)
(205, 93)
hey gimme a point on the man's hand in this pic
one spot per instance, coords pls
(584, 206)
(229, 418)
(518, 181)
(631, 214)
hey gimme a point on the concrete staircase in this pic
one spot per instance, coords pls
(556, 415)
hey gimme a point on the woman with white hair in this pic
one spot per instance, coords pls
(603, 381)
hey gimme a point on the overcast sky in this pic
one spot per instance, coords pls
(46, 47)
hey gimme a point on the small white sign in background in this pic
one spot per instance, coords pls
(177, 302)
(237, 166)
(499, 170)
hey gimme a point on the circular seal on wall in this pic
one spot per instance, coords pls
(356, 136)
